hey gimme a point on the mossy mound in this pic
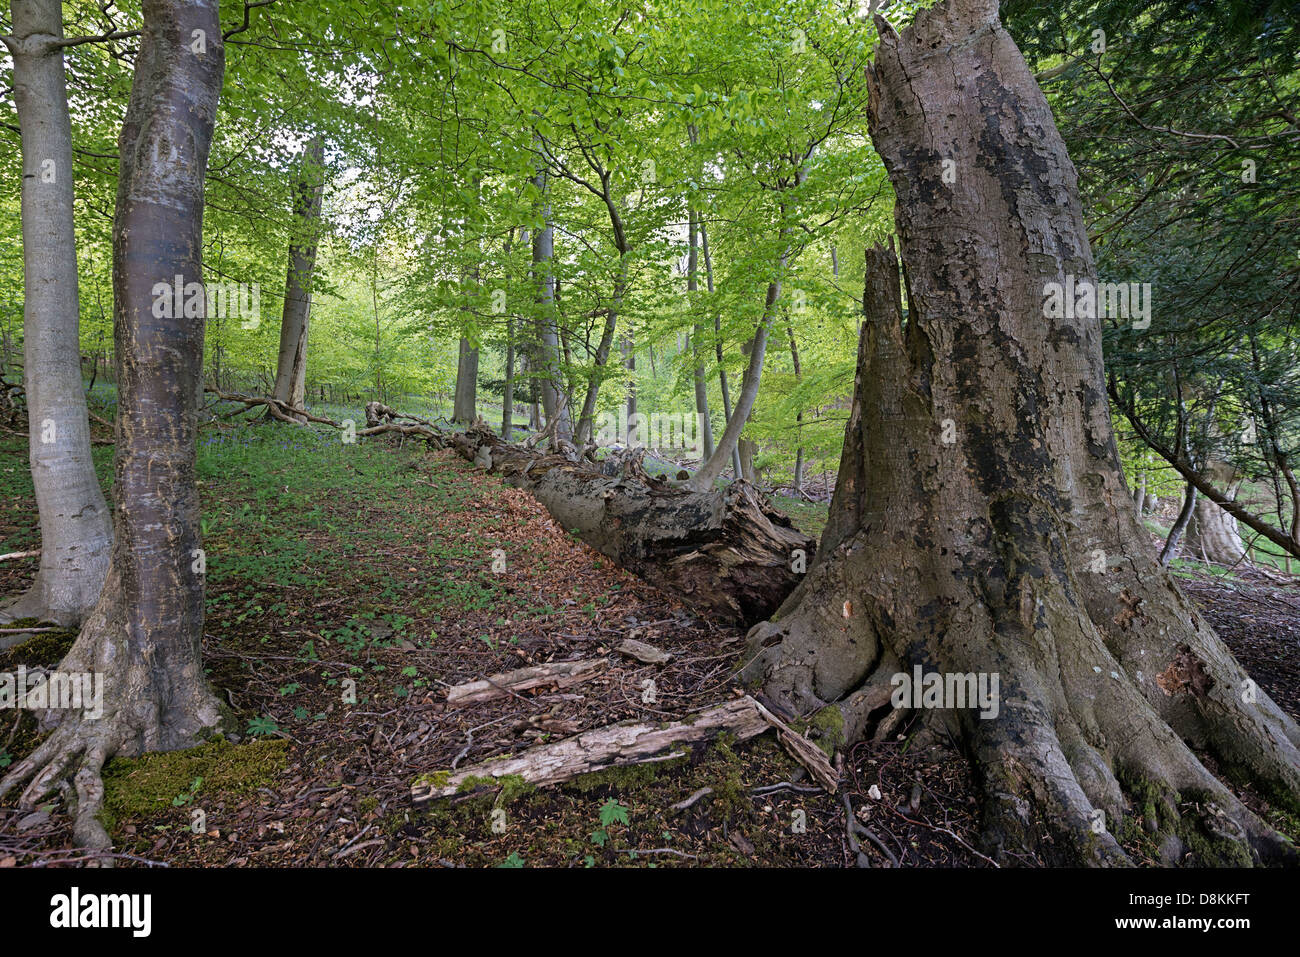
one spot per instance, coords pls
(42, 650)
(152, 782)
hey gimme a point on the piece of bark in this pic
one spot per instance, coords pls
(555, 674)
(643, 652)
(616, 745)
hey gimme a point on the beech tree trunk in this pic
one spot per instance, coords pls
(726, 554)
(723, 385)
(508, 391)
(981, 523)
(76, 530)
(291, 364)
(1180, 525)
(729, 445)
(1213, 535)
(554, 401)
(465, 405)
(145, 632)
(697, 333)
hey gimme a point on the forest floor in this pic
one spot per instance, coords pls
(329, 563)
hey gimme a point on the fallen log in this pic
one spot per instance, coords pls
(727, 554)
(629, 742)
(555, 674)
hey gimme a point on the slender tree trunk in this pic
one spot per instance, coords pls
(629, 363)
(76, 530)
(508, 393)
(144, 635)
(980, 524)
(291, 364)
(697, 334)
(554, 403)
(1140, 494)
(1180, 525)
(798, 374)
(708, 473)
(1212, 534)
(717, 339)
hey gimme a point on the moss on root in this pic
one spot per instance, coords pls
(829, 725)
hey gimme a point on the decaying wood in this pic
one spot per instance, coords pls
(617, 745)
(725, 553)
(555, 674)
(633, 742)
(802, 750)
(646, 654)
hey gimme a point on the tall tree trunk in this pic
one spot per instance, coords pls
(550, 368)
(465, 404)
(291, 363)
(717, 340)
(708, 473)
(1180, 525)
(508, 393)
(76, 530)
(144, 634)
(629, 363)
(980, 524)
(1213, 534)
(798, 374)
(1140, 494)
(697, 334)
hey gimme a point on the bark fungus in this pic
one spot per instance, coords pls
(981, 523)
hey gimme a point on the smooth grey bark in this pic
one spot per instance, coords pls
(1213, 534)
(697, 335)
(76, 528)
(629, 363)
(508, 391)
(291, 362)
(757, 349)
(708, 473)
(723, 384)
(1180, 525)
(554, 402)
(465, 404)
(798, 374)
(145, 633)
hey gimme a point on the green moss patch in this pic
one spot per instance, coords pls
(42, 650)
(151, 782)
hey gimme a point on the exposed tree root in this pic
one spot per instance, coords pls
(144, 708)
